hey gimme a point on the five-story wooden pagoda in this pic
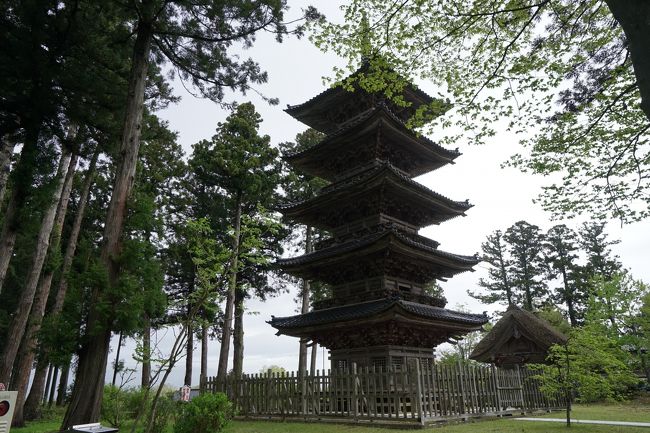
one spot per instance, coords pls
(375, 263)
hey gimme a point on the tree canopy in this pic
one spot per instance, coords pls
(570, 78)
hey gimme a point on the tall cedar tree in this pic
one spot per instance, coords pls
(527, 266)
(594, 242)
(299, 186)
(242, 168)
(499, 285)
(561, 252)
(513, 61)
(195, 38)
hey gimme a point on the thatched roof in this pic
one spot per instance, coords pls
(517, 324)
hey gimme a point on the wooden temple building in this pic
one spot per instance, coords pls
(519, 337)
(375, 262)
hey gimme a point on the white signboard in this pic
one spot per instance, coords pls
(185, 393)
(7, 406)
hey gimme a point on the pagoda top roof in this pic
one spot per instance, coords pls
(517, 323)
(379, 171)
(432, 154)
(374, 308)
(315, 111)
(412, 240)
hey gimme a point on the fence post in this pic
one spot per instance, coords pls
(496, 388)
(521, 388)
(303, 391)
(355, 391)
(461, 381)
(418, 391)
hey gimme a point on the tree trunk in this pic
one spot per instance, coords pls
(23, 176)
(314, 354)
(568, 297)
(29, 349)
(63, 385)
(6, 151)
(204, 354)
(50, 369)
(18, 324)
(634, 18)
(31, 408)
(146, 352)
(32, 402)
(224, 351)
(304, 308)
(238, 337)
(189, 356)
(116, 364)
(71, 247)
(85, 402)
(55, 375)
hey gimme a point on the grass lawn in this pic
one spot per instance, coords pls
(637, 410)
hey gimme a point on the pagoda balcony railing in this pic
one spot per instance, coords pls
(360, 229)
(380, 294)
(415, 394)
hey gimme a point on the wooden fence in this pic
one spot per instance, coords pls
(411, 393)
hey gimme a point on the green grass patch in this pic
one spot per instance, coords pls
(637, 410)
(45, 426)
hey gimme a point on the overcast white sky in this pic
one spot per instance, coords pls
(500, 196)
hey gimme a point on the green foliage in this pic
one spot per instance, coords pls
(591, 367)
(120, 405)
(554, 316)
(167, 411)
(206, 413)
(559, 74)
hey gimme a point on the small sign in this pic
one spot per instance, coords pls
(185, 393)
(7, 406)
(92, 428)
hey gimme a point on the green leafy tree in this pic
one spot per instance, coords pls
(615, 307)
(262, 240)
(589, 368)
(575, 72)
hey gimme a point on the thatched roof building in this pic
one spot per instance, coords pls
(519, 337)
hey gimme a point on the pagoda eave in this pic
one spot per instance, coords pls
(377, 133)
(317, 111)
(380, 189)
(434, 324)
(388, 252)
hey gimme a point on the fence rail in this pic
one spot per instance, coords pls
(412, 393)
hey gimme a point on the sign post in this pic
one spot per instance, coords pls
(7, 406)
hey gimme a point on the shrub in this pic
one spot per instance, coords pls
(119, 405)
(166, 412)
(206, 413)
